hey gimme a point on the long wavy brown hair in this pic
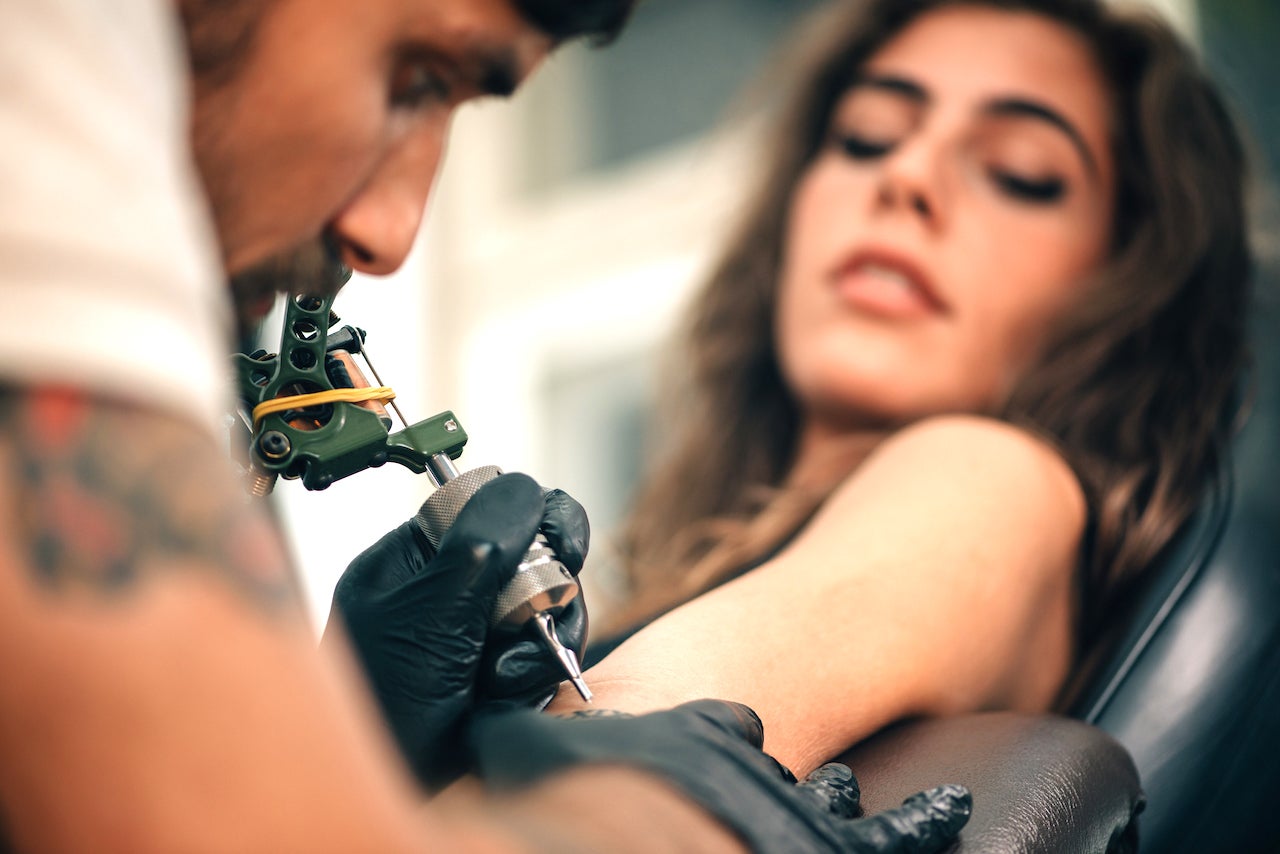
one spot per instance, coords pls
(1134, 388)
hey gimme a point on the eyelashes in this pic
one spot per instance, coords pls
(1035, 191)
(416, 85)
(861, 149)
(1042, 192)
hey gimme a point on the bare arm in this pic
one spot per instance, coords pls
(161, 684)
(161, 689)
(936, 580)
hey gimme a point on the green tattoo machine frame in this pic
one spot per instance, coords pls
(307, 419)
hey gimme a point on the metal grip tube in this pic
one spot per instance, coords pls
(541, 582)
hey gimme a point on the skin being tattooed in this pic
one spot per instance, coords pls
(106, 495)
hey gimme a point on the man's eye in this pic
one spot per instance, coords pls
(1042, 191)
(416, 84)
(859, 148)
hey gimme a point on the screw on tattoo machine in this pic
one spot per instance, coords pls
(309, 414)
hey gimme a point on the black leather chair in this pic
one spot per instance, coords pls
(1188, 682)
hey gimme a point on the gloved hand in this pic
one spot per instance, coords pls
(517, 671)
(710, 751)
(419, 622)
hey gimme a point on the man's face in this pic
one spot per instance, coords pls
(323, 140)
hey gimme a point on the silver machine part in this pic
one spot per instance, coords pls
(441, 470)
(541, 583)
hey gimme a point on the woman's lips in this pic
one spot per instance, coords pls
(886, 286)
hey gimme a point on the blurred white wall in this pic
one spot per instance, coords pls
(543, 292)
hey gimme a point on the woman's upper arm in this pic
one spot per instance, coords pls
(937, 578)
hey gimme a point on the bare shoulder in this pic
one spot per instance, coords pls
(988, 462)
(960, 492)
(974, 528)
(944, 438)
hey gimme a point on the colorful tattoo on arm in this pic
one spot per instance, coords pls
(107, 495)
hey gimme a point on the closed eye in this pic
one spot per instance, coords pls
(859, 148)
(1043, 191)
(416, 85)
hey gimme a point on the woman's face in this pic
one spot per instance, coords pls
(964, 195)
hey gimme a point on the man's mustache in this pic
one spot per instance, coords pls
(312, 269)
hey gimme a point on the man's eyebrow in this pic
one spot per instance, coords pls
(1021, 107)
(492, 70)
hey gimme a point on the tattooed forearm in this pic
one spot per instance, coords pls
(106, 495)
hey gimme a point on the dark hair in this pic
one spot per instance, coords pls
(600, 20)
(220, 33)
(1133, 390)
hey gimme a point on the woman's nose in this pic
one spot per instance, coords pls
(911, 180)
(377, 229)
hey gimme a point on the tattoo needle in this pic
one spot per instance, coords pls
(568, 661)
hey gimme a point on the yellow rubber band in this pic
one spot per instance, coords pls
(320, 398)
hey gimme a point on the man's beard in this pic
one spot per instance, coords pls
(313, 269)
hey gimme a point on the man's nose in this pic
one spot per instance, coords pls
(377, 229)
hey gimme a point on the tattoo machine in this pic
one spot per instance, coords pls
(309, 414)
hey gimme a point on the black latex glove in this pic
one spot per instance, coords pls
(419, 621)
(517, 671)
(711, 752)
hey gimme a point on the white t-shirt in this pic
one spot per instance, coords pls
(109, 278)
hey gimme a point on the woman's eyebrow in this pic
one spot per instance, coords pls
(1006, 106)
(892, 83)
(1021, 107)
